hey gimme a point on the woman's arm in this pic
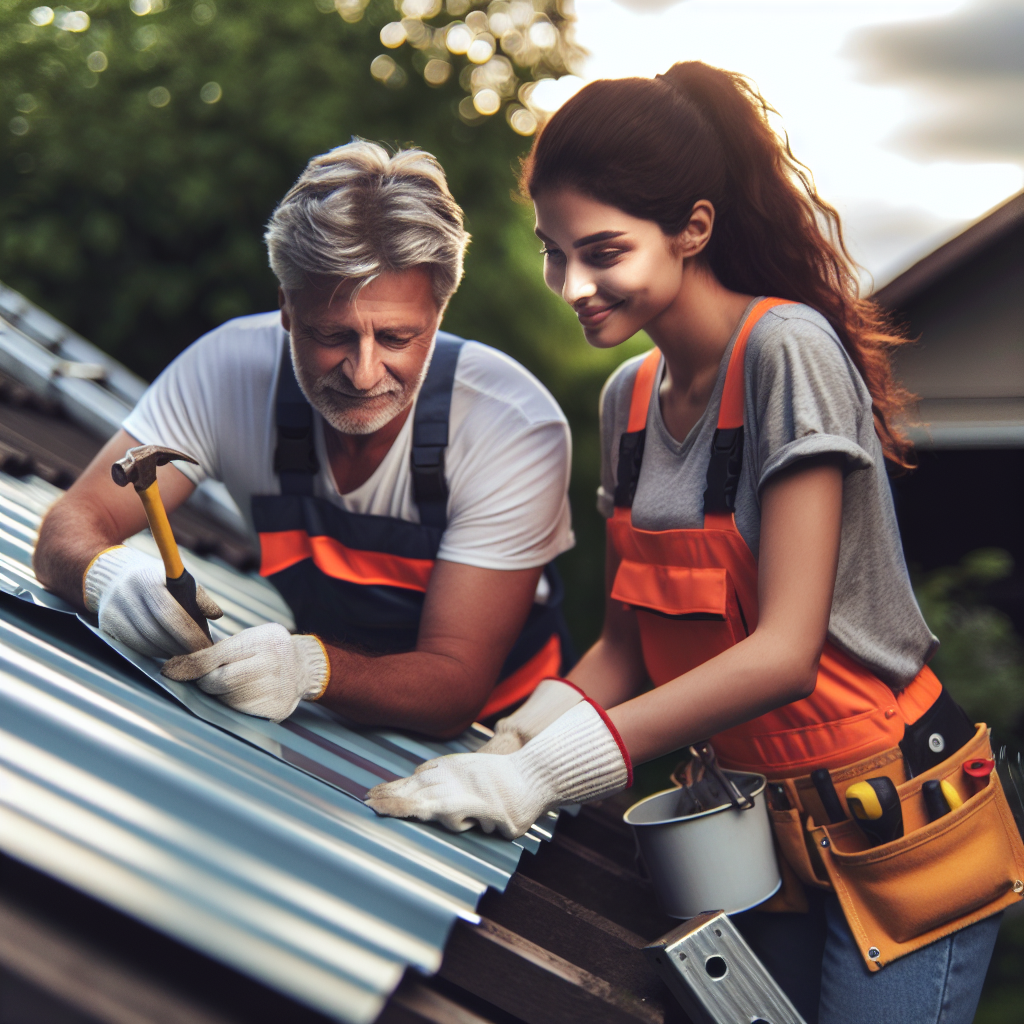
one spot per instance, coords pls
(801, 516)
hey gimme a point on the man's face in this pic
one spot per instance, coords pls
(360, 363)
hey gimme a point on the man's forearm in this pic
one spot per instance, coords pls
(69, 538)
(429, 693)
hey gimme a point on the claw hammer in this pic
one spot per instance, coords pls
(138, 467)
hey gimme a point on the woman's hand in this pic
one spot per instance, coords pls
(576, 758)
(801, 517)
(548, 702)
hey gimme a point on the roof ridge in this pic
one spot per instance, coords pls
(987, 230)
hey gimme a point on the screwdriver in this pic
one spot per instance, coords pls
(939, 798)
(828, 795)
(875, 806)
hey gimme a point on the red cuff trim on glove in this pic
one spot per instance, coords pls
(615, 735)
(559, 679)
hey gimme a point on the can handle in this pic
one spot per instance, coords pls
(706, 753)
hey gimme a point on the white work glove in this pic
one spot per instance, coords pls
(549, 701)
(263, 671)
(577, 758)
(128, 591)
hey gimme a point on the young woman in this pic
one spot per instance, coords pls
(754, 567)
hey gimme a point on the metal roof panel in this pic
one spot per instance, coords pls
(163, 802)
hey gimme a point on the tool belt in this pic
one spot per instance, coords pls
(939, 877)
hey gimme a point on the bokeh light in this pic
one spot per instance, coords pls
(437, 72)
(518, 43)
(417, 34)
(459, 37)
(159, 97)
(351, 10)
(204, 12)
(97, 61)
(71, 21)
(522, 121)
(487, 102)
(386, 70)
(392, 35)
(382, 67)
(211, 92)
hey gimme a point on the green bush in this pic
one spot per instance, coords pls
(981, 658)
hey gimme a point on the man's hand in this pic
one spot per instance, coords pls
(263, 671)
(95, 515)
(577, 758)
(128, 592)
(548, 702)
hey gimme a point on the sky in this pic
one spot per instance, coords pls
(909, 113)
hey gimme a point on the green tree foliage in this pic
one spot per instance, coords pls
(140, 157)
(981, 658)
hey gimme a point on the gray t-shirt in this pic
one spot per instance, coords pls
(804, 397)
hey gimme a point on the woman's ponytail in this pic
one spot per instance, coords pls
(653, 148)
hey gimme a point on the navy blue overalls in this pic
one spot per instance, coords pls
(360, 580)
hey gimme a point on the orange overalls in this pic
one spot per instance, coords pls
(695, 595)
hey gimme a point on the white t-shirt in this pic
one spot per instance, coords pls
(507, 464)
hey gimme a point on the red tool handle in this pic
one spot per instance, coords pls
(979, 767)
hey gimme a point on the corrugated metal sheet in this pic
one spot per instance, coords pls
(243, 838)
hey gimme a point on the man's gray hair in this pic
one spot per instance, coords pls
(359, 211)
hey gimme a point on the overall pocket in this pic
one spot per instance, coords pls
(685, 615)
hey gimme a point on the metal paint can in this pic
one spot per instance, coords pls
(722, 859)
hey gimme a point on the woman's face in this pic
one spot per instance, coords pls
(619, 273)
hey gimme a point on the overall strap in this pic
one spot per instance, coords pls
(295, 460)
(631, 444)
(727, 444)
(430, 432)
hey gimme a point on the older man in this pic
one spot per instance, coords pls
(408, 488)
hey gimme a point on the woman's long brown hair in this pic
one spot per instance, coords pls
(654, 147)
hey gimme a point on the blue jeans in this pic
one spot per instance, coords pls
(815, 959)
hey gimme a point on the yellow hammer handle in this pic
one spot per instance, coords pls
(161, 530)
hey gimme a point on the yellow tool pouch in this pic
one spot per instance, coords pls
(799, 861)
(939, 877)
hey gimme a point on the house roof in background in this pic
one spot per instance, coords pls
(62, 397)
(951, 256)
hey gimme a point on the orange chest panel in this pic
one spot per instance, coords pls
(694, 594)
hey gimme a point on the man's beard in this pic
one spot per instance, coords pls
(351, 411)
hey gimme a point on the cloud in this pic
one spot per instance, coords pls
(647, 6)
(885, 238)
(967, 71)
